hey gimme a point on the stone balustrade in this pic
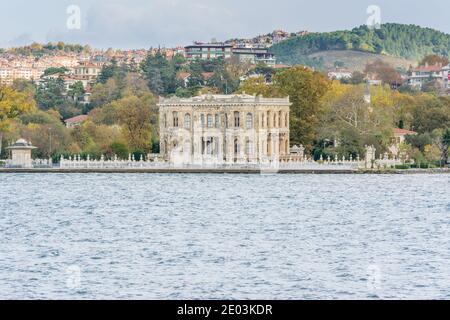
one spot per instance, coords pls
(291, 163)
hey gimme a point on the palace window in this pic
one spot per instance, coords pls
(175, 119)
(248, 148)
(236, 147)
(237, 119)
(210, 121)
(217, 120)
(275, 120)
(187, 121)
(249, 121)
(202, 120)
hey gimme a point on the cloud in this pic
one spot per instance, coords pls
(145, 23)
(151, 23)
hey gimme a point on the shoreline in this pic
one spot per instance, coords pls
(221, 171)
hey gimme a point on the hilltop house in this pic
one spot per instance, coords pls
(75, 121)
(423, 74)
(339, 73)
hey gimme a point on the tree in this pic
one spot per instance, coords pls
(46, 131)
(160, 73)
(258, 86)
(50, 93)
(12, 105)
(305, 89)
(135, 115)
(434, 59)
(356, 78)
(108, 71)
(446, 144)
(53, 70)
(385, 72)
(76, 91)
(119, 149)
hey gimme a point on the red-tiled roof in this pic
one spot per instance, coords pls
(403, 132)
(281, 66)
(183, 75)
(428, 68)
(207, 75)
(77, 119)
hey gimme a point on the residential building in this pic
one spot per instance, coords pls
(207, 51)
(254, 55)
(423, 74)
(75, 121)
(249, 54)
(184, 78)
(339, 74)
(446, 77)
(88, 70)
(224, 129)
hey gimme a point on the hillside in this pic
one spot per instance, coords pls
(356, 60)
(404, 41)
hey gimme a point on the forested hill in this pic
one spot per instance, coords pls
(407, 41)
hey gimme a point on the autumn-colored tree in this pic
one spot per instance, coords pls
(434, 59)
(384, 72)
(12, 104)
(136, 116)
(305, 89)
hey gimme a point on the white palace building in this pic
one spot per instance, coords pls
(224, 129)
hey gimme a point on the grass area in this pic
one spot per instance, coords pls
(357, 60)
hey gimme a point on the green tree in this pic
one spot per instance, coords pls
(50, 93)
(76, 91)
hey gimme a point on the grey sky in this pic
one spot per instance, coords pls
(145, 23)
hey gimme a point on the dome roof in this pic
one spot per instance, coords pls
(21, 144)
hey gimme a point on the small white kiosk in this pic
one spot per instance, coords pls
(21, 154)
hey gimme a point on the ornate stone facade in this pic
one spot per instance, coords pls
(224, 129)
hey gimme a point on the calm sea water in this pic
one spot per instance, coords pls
(150, 236)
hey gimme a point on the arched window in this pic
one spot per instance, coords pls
(263, 119)
(237, 119)
(249, 121)
(280, 119)
(175, 119)
(236, 147)
(210, 121)
(275, 120)
(226, 120)
(217, 121)
(202, 120)
(187, 121)
(286, 120)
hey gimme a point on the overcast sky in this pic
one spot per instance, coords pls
(146, 23)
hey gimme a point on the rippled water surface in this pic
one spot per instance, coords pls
(150, 236)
